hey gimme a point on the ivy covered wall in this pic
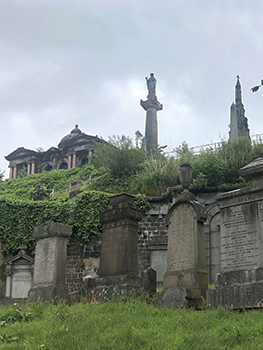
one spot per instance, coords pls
(18, 218)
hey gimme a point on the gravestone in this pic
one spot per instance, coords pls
(118, 271)
(19, 275)
(240, 281)
(50, 262)
(185, 280)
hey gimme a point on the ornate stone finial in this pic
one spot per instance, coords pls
(151, 84)
(238, 77)
(22, 249)
(186, 176)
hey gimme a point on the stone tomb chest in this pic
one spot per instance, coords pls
(19, 275)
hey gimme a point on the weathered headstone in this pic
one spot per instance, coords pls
(50, 261)
(118, 271)
(185, 280)
(240, 281)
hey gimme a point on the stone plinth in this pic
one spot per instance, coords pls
(240, 281)
(118, 271)
(50, 261)
(185, 280)
(119, 246)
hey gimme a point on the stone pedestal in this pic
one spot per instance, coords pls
(50, 262)
(240, 281)
(118, 271)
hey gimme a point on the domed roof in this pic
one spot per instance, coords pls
(76, 130)
(74, 134)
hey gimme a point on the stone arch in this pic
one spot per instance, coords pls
(63, 166)
(48, 167)
(84, 161)
(212, 241)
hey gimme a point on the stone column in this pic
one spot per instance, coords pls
(74, 160)
(69, 161)
(28, 168)
(15, 172)
(11, 173)
(33, 168)
(50, 261)
(151, 106)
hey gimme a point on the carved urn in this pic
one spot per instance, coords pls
(186, 175)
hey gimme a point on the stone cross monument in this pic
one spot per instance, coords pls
(151, 106)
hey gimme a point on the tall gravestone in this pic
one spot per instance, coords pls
(185, 280)
(240, 281)
(49, 282)
(118, 271)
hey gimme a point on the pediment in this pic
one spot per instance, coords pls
(21, 152)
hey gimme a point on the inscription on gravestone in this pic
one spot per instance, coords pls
(44, 261)
(240, 237)
(181, 236)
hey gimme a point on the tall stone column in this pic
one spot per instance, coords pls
(33, 168)
(28, 168)
(69, 161)
(15, 172)
(74, 160)
(11, 173)
(151, 106)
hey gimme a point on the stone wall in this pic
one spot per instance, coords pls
(75, 265)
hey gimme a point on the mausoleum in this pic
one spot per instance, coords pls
(71, 152)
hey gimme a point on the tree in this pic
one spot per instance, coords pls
(119, 156)
(257, 87)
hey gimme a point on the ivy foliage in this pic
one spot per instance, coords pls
(18, 218)
(55, 180)
(132, 171)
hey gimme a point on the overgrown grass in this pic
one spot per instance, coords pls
(131, 325)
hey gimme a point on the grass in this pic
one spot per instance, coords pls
(127, 325)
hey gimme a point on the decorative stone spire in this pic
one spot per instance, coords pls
(238, 93)
(151, 106)
(238, 121)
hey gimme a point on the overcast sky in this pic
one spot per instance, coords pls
(84, 61)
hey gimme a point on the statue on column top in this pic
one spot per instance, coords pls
(151, 84)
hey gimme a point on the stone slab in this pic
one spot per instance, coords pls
(241, 237)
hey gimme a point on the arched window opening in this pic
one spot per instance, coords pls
(48, 168)
(84, 161)
(63, 166)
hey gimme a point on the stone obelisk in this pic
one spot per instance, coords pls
(152, 106)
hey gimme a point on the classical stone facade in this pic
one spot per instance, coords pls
(238, 121)
(71, 152)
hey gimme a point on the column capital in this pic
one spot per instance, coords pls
(148, 104)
